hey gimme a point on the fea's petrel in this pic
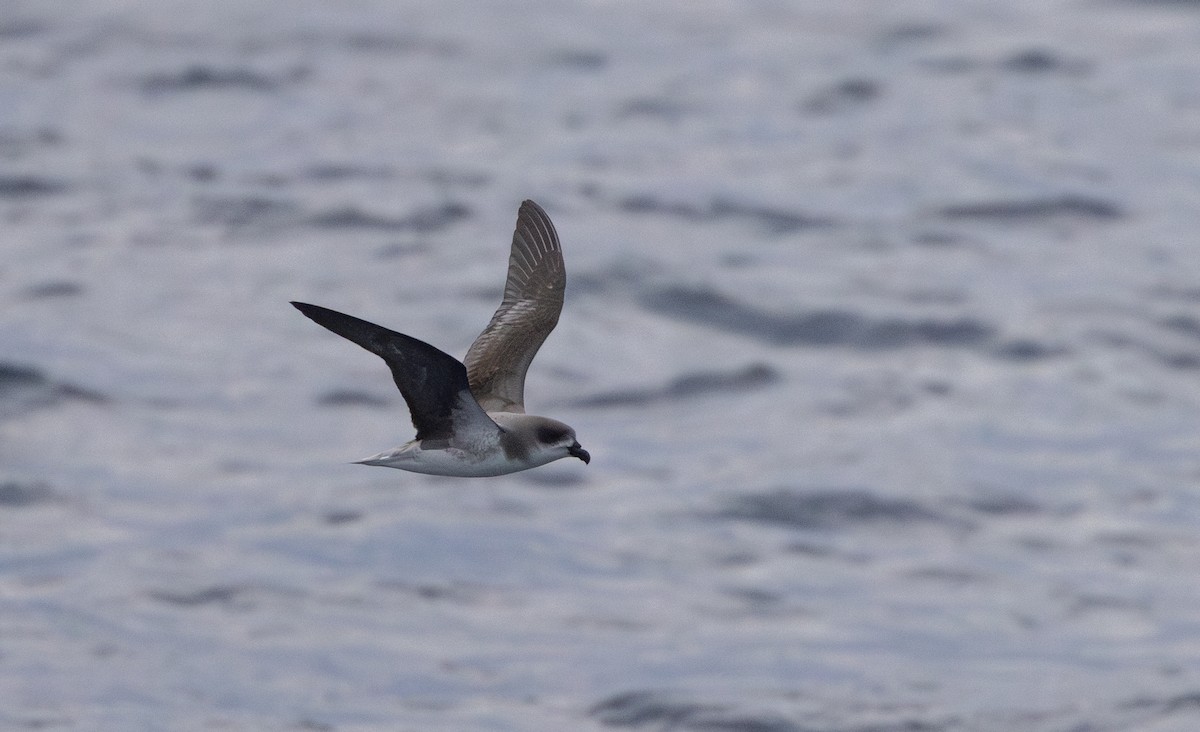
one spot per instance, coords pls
(470, 418)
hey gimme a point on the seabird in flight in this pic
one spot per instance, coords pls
(470, 418)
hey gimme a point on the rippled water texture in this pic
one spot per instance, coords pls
(882, 328)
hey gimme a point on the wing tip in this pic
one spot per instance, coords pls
(530, 207)
(535, 229)
(315, 313)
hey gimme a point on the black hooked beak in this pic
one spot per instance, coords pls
(577, 450)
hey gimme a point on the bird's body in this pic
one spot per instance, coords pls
(448, 399)
(508, 451)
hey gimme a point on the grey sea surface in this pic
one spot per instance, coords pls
(882, 328)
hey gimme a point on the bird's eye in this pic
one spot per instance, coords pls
(550, 435)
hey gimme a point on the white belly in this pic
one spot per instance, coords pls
(449, 461)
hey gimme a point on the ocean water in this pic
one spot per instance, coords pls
(882, 328)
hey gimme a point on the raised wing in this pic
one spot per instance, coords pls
(433, 383)
(533, 297)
